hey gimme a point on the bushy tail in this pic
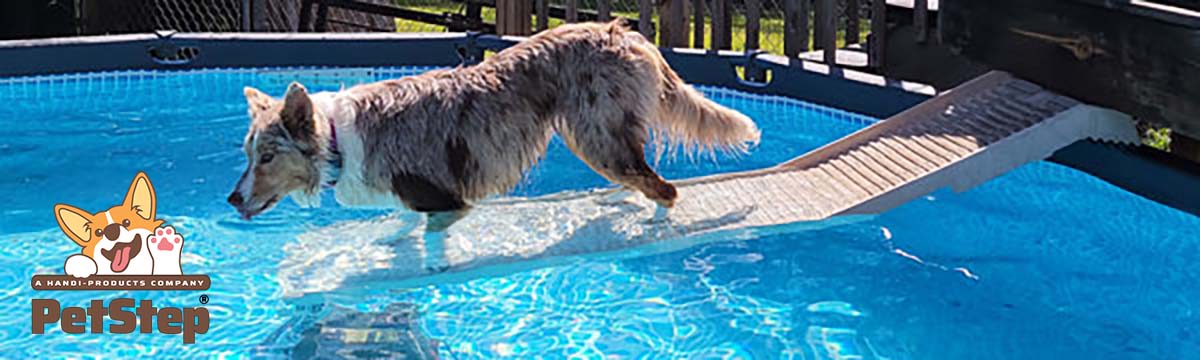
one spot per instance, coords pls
(688, 120)
(685, 118)
(696, 123)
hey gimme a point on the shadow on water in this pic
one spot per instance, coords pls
(336, 332)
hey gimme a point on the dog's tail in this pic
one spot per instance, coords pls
(689, 120)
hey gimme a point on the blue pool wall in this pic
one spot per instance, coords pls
(1144, 171)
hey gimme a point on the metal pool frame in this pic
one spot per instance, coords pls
(1150, 173)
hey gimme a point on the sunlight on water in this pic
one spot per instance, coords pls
(1045, 262)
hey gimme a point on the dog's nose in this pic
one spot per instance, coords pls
(235, 199)
(112, 231)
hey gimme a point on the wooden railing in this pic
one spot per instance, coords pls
(513, 17)
(674, 19)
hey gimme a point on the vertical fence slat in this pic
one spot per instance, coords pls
(603, 10)
(753, 14)
(672, 29)
(322, 17)
(795, 27)
(722, 25)
(827, 17)
(753, 19)
(818, 31)
(474, 12)
(502, 11)
(258, 13)
(921, 19)
(852, 27)
(572, 11)
(543, 15)
(304, 24)
(821, 19)
(513, 17)
(698, 24)
(878, 38)
(246, 25)
(646, 18)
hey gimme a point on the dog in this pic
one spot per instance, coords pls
(126, 239)
(438, 141)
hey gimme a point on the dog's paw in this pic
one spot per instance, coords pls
(165, 239)
(436, 268)
(80, 266)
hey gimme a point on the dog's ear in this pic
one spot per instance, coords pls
(140, 197)
(74, 222)
(257, 100)
(297, 115)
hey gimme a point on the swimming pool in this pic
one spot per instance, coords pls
(1044, 262)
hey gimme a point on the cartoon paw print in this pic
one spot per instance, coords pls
(165, 248)
(166, 239)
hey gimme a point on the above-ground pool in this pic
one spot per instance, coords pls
(1044, 262)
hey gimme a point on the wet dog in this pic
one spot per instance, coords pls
(440, 140)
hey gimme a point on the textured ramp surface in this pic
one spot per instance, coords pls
(973, 133)
(959, 139)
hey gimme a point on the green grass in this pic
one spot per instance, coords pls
(770, 25)
(1157, 138)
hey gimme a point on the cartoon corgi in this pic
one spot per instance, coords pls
(114, 241)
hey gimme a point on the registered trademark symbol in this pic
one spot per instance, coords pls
(203, 298)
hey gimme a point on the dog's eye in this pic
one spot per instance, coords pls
(99, 233)
(266, 158)
(125, 223)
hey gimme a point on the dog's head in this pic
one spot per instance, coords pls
(282, 152)
(114, 238)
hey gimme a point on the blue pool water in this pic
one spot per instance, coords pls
(1044, 262)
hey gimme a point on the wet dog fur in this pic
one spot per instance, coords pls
(440, 140)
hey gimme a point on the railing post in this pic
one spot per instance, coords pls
(672, 17)
(818, 28)
(305, 21)
(753, 16)
(827, 19)
(753, 19)
(259, 16)
(795, 27)
(246, 16)
(543, 15)
(698, 24)
(722, 25)
(474, 12)
(603, 10)
(878, 37)
(572, 14)
(322, 17)
(646, 19)
(852, 27)
(513, 17)
(921, 19)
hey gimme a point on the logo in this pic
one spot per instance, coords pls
(122, 248)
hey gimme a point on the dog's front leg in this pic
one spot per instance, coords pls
(436, 226)
(80, 266)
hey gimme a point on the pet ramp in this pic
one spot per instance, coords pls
(958, 139)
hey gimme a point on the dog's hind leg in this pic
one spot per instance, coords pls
(611, 143)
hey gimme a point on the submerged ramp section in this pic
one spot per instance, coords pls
(958, 139)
